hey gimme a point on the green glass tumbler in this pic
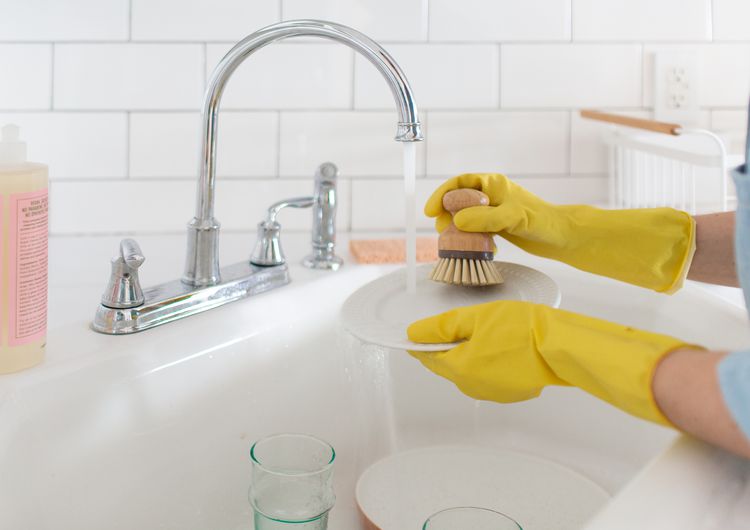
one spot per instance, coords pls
(469, 517)
(292, 482)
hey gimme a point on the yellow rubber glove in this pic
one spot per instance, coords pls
(650, 247)
(514, 349)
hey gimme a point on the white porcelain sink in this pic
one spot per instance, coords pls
(152, 431)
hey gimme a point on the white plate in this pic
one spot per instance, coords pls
(380, 311)
(403, 490)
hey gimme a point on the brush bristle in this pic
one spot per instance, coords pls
(467, 272)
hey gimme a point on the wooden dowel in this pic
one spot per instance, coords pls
(638, 123)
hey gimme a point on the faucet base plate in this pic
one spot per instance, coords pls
(174, 300)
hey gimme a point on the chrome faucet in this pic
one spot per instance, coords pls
(204, 284)
(202, 265)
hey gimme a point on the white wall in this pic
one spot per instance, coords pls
(108, 93)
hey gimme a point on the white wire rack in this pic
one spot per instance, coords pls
(664, 164)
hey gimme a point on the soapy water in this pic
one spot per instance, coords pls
(410, 179)
(367, 371)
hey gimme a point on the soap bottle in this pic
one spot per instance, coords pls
(23, 255)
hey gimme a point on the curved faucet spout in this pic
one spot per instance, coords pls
(202, 266)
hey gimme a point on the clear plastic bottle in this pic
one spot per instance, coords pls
(23, 255)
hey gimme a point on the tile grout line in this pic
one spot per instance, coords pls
(354, 80)
(570, 20)
(569, 161)
(204, 73)
(337, 110)
(427, 19)
(127, 145)
(530, 43)
(52, 77)
(643, 75)
(278, 145)
(130, 20)
(182, 179)
(426, 144)
(350, 207)
(499, 75)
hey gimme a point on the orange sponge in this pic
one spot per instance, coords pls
(392, 250)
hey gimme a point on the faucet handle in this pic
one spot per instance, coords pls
(267, 251)
(124, 287)
(130, 253)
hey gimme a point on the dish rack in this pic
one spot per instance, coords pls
(652, 163)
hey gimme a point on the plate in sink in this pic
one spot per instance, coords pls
(379, 312)
(401, 491)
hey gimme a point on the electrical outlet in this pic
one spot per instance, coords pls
(676, 77)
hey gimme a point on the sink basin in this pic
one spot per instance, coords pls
(152, 431)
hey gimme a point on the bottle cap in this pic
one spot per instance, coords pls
(12, 150)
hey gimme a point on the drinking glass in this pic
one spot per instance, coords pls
(470, 518)
(292, 482)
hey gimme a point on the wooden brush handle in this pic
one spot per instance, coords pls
(454, 240)
(456, 200)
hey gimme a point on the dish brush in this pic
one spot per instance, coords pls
(466, 258)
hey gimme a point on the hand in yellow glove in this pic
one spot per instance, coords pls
(650, 247)
(514, 349)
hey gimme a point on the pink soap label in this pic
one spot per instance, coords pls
(27, 253)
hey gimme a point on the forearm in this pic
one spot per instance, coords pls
(686, 389)
(713, 261)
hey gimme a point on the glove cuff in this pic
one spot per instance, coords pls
(613, 362)
(686, 263)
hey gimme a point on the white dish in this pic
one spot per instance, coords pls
(379, 312)
(401, 491)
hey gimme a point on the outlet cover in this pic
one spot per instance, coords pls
(676, 78)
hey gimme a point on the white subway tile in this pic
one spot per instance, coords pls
(568, 190)
(442, 76)
(730, 19)
(60, 20)
(128, 76)
(164, 144)
(499, 20)
(373, 207)
(75, 145)
(169, 144)
(167, 205)
(26, 76)
(97, 208)
(248, 144)
(588, 151)
(382, 20)
(380, 205)
(210, 20)
(729, 120)
(289, 76)
(242, 204)
(577, 75)
(637, 20)
(731, 125)
(504, 142)
(724, 73)
(360, 143)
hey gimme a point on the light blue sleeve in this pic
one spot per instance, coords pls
(734, 379)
